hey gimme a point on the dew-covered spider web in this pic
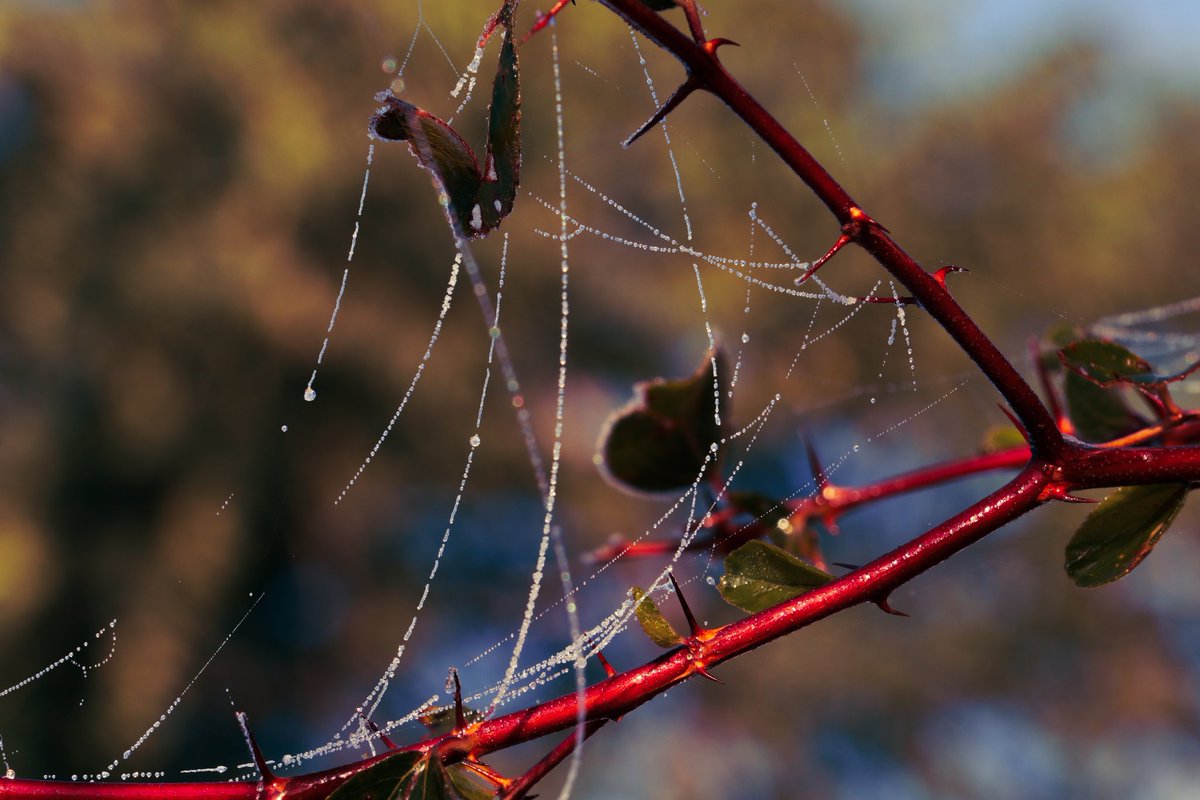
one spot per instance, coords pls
(506, 550)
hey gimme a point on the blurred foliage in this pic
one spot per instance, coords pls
(178, 187)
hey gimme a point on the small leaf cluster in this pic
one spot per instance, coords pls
(671, 436)
(1100, 377)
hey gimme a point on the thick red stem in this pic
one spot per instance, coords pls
(703, 66)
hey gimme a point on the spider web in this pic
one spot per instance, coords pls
(571, 212)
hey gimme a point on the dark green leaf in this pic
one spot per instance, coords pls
(479, 199)
(469, 786)
(1106, 363)
(390, 779)
(652, 621)
(502, 162)
(661, 440)
(759, 575)
(431, 783)
(1121, 531)
(1098, 413)
(1061, 334)
(438, 148)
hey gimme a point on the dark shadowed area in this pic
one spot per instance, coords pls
(179, 188)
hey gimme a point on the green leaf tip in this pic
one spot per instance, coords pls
(1121, 531)
(664, 439)
(478, 198)
(652, 620)
(1106, 363)
(759, 575)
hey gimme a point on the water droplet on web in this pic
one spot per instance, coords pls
(872, 401)
(397, 86)
(310, 394)
(712, 447)
(283, 428)
(475, 440)
(710, 580)
(856, 448)
(745, 338)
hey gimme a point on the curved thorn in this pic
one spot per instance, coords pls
(703, 672)
(711, 45)
(886, 608)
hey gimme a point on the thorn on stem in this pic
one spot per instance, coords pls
(264, 771)
(608, 668)
(703, 672)
(686, 88)
(814, 463)
(460, 718)
(842, 241)
(1016, 422)
(545, 19)
(375, 729)
(886, 608)
(693, 626)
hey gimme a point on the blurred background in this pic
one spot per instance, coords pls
(179, 184)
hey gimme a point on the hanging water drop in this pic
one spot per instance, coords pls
(283, 428)
(310, 394)
(475, 440)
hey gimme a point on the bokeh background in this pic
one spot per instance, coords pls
(178, 187)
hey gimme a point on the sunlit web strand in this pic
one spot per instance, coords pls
(310, 393)
(550, 531)
(416, 378)
(690, 495)
(179, 698)
(579, 662)
(724, 264)
(72, 658)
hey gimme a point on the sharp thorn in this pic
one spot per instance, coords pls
(1074, 498)
(841, 242)
(693, 626)
(608, 668)
(704, 673)
(375, 729)
(460, 718)
(260, 761)
(844, 565)
(814, 463)
(1013, 419)
(886, 608)
(686, 88)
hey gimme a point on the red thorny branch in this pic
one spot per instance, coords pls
(1055, 465)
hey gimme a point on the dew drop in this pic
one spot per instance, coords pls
(310, 394)
(710, 580)
(283, 428)
(475, 440)
(745, 338)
